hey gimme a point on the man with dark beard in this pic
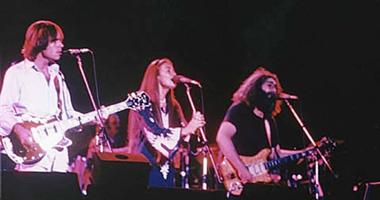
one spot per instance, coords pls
(248, 134)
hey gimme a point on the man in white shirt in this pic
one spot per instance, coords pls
(35, 88)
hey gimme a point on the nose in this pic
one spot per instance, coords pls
(273, 90)
(270, 90)
(60, 43)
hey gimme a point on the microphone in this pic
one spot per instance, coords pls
(184, 79)
(77, 51)
(284, 96)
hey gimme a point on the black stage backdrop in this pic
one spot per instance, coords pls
(326, 52)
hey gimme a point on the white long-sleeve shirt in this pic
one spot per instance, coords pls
(26, 91)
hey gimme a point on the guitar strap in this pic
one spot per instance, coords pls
(268, 132)
(272, 134)
(59, 100)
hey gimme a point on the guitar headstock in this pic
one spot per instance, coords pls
(138, 101)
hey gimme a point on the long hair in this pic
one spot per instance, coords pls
(38, 36)
(114, 115)
(149, 85)
(250, 85)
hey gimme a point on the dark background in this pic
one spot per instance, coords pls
(326, 52)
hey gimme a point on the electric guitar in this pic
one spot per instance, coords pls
(48, 134)
(260, 167)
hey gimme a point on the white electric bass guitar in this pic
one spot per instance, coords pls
(48, 134)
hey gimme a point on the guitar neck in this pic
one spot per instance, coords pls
(88, 117)
(274, 163)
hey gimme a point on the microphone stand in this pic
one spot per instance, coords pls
(205, 148)
(79, 61)
(318, 189)
(367, 191)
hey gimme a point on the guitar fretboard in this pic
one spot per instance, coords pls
(83, 119)
(274, 163)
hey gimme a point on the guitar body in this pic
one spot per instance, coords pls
(230, 176)
(21, 154)
(50, 133)
(17, 152)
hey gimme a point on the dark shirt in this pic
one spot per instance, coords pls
(250, 136)
(117, 141)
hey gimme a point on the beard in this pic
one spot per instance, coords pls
(266, 102)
